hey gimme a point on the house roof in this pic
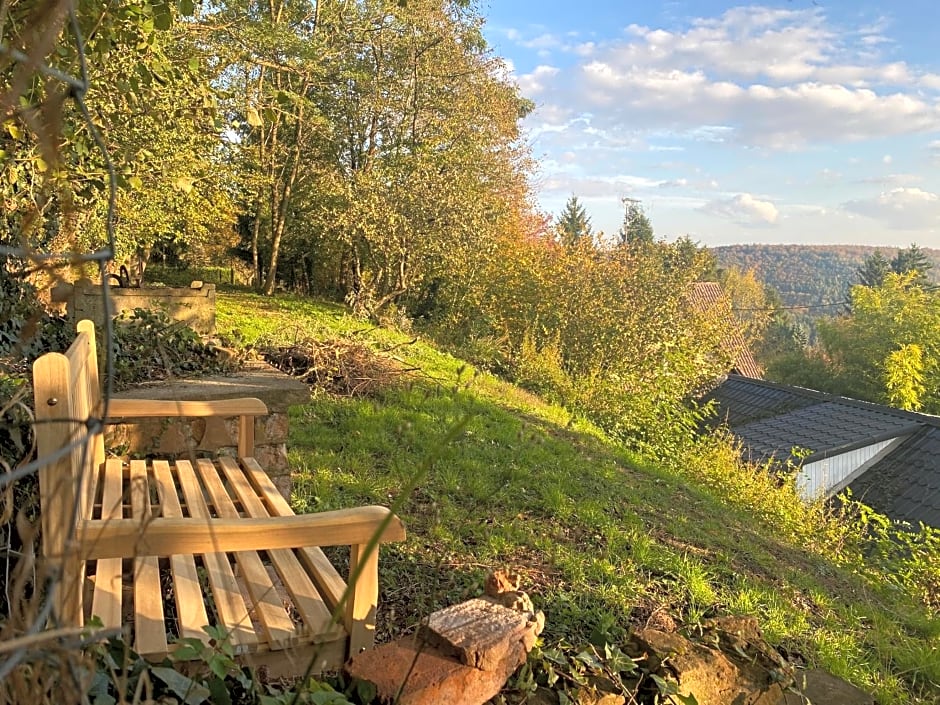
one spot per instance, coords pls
(906, 484)
(773, 419)
(708, 296)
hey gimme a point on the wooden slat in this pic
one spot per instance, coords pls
(329, 582)
(166, 536)
(307, 599)
(228, 601)
(149, 630)
(92, 385)
(153, 407)
(276, 623)
(190, 605)
(106, 602)
(58, 483)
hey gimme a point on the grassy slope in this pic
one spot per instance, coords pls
(602, 539)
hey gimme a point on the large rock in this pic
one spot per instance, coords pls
(824, 688)
(732, 664)
(463, 656)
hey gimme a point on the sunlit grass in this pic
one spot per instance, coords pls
(594, 530)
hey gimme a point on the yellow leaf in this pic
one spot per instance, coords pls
(14, 131)
(254, 119)
(184, 183)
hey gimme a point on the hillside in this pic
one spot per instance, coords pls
(808, 275)
(602, 538)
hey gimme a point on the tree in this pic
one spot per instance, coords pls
(913, 259)
(636, 228)
(873, 270)
(887, 349)
(748, 301)
(573, 225)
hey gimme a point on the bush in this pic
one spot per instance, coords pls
(148, 346)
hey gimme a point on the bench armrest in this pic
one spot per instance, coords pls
(246, 409)
(125, 538)
(130, 408)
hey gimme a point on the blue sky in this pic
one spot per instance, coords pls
(783, 122)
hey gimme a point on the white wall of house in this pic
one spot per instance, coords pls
(823, 478)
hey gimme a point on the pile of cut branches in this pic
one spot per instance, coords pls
(341, 367)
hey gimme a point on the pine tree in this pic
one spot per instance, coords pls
(573, 224)
(873, 270)
(913, 259)
(636, 228)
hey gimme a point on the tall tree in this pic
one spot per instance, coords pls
(887, 349)
(573, 225)
(912, 259)
(873, 269)
(636, 228)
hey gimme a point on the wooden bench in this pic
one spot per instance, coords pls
(163, 549)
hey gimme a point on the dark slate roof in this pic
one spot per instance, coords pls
(742, 400)
(905, 485)
(771, 419)
(708, 296)
(821, 428)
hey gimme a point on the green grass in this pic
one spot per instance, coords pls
(600, 535)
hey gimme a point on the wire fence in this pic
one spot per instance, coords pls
(47, 28)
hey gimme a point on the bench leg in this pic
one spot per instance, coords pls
(363, 599)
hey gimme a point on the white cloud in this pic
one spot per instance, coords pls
(778, 79)
(744, 209)
(887, 159)
(532, 84)
(900, 209)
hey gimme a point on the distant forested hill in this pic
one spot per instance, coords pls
(809, 275)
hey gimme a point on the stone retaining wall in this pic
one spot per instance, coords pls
(193, 306)
(208, 437)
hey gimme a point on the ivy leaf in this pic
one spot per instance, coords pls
(191, 692)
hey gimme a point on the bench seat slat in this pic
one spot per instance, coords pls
(265, 601)
(190, 605)
(306, 598)
(106, 601)
(149, 628)
(226, 596)
(328, 581)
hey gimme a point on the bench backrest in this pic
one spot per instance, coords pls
(67, 394)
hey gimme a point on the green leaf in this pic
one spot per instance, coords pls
(191, 692)
(194, 64)
(162, 17)
(187, 8)
(135, 182)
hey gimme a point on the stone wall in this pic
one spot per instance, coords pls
(194, 306)
(208, 437)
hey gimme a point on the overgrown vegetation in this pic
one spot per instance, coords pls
(604, 538)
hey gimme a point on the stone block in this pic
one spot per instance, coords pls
(405, 674)
(480, 633)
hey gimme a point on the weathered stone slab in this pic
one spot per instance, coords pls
(479, 633)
